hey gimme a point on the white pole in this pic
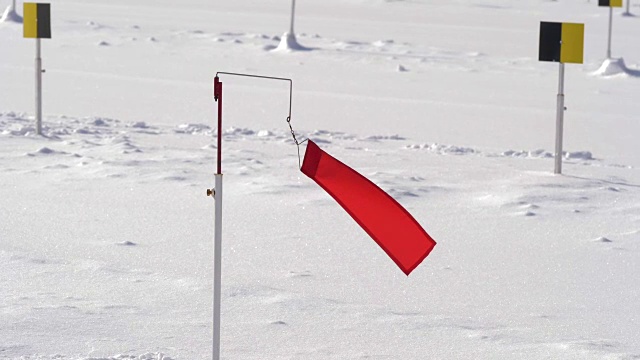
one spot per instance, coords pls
(217, 272)
(14, 5)
(559, 122)
(38, 89)
(293, 10)
(628, 7)
(610, 30)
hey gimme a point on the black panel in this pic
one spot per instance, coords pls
(550, 41)
(44, 21)
(604, 2)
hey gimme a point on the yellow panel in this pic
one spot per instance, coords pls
(615, 3)
(572, 48)
(30, 20)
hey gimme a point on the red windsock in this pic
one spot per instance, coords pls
(381, 216)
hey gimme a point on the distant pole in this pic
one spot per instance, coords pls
(38, 88)
(628, 7)
(36, 24)
(559, 122)
(610, 30)
(293, 10)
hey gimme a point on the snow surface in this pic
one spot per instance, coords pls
(106, 232)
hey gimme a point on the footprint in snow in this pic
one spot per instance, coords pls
(603, 239)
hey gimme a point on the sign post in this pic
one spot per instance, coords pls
(611, 4)
(37, 25)
(557, 167)
(562, 43)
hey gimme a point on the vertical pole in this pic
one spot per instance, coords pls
(38, 89)
(628, 8)
(217, 245)
(610, 30)
(293, 10)
(14, 5)
(217, 280)
(559, 122)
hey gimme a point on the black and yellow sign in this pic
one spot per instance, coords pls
(561, 42)
(610, 3)
(37, 20)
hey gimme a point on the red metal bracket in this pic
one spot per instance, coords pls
(217, 95)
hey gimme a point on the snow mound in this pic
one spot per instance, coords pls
(10, 15)
(46, 151)
(289, 43)
(193, 129)
(540, 153)
(126, 243)
(443, 149)
(146, 356)
(139, 125)
(533, 154)
(383, 137)
(614, 67)
(578, 155)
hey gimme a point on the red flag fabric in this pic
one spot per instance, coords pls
(381, 216)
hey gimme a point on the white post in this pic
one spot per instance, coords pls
(14, 5)
(217, 272)
(628, 8)
(293, 10)
(559, 122)
(38, 89)
(610, 30)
